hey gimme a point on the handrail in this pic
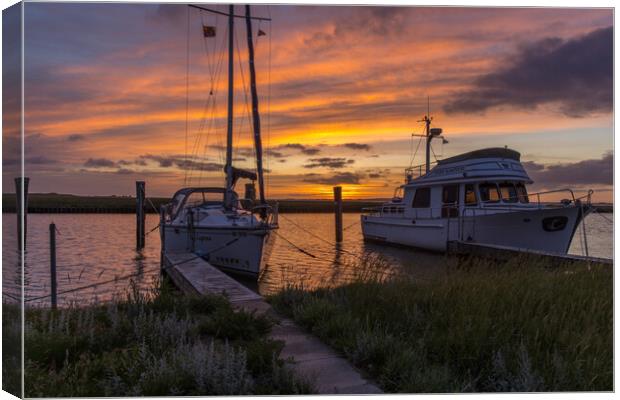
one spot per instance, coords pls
(409, 171)
(271, 212)
(492, 206)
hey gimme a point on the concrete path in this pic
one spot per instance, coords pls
(309, 357)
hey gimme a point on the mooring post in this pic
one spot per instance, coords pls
(140, 193)
(21, 192)
(53, 263)
(338, 211)
(162, 236)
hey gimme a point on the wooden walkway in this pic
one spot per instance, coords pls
(458, 247)
(194, 275)
(308, 356)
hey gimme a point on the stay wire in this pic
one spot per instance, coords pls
(186, 91)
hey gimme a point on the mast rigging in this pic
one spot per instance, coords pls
(255, 112)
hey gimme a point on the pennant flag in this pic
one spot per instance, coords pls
(261, 33)
(208, 31)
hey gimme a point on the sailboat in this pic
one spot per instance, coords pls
(212, 221)
(478, 197)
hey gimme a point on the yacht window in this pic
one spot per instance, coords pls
(450, 200)
(422, 198)
(488, 193)
(522, 193)
(470, 195)
(509, 193)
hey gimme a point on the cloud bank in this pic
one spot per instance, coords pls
(577, 74)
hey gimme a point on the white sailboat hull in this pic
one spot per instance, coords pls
(518, 229)
(242, 251)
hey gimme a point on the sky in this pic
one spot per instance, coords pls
(116, 93)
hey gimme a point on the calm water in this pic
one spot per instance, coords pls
(95, 248)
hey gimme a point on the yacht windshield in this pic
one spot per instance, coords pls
(522, 193)
(197, 199)
(176, 203)
(509, 193)
(489, 193)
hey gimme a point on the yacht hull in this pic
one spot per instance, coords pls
(547, 229)
(241, 251)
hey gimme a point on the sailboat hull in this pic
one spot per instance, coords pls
(241, 251)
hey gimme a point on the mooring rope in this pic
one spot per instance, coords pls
(320, 238)
(295, 246)
(350, 226)
(602, 216)
(152, 205)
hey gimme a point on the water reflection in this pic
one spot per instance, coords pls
(96, 248)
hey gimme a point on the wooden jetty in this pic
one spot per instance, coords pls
(193, 275)
(308, 356)
(458, 247)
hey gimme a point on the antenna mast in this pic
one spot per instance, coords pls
(429, 134)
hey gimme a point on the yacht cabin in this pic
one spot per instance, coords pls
(479, 182)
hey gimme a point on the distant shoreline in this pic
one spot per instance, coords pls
(70, 204)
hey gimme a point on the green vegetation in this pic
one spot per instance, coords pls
(11, 349)
(156, 345)
(512, 327)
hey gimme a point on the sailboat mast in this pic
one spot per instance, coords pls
(255, 114)
(231, 83)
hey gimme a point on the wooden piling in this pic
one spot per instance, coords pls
(21, 193)
(338, 212)
(162, 235)
(140, 216)
(53, 264)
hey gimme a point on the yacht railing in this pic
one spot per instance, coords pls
(416, 171)
(268, 214)
(484, 207)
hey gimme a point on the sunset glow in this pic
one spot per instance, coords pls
(341, 92)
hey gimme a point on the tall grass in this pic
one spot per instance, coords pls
(11, 348)
(519, 326)
(155, 345)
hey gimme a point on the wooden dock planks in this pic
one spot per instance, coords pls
(496, 252)
(308, 356)
(194, 275)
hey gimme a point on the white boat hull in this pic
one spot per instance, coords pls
(518, 229)
(242, 251)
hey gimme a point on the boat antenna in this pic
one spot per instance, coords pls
(255, 114)
(429, 134)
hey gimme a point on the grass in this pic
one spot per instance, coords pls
(157, 345)
(514, 327)
(11, 349)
